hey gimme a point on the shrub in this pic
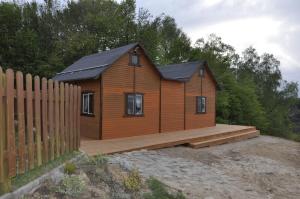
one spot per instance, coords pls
(71, 185)
(159, 190)
(99, 160)
(133, 181)
(69, 168)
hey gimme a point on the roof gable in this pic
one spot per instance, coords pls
(183, 72)
(180, 72)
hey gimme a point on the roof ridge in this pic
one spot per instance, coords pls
(179, 64)
(108, 51)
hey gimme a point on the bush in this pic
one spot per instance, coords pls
(72, 186)
(69, 168)
(99, 160)
(159, 190)
(133, 181)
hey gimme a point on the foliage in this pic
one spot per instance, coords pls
(44, 38)
(98, 160)
(158, 190)
(69, 168)
(71, 185)
(133, 181)
(252, 90)
(29, 176)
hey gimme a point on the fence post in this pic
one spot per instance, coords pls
(62, 118)
(45, 121)
(78, 115)
(10, 122)
(51, 119)
(5, 182)
(37, 109)
(57, 118)
(29, 113)
(21, 121)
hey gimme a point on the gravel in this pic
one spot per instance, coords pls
(263, 167)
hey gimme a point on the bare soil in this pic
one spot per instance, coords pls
(263, 167)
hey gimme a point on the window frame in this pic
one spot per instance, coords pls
(130, 59)
(205, 105)
(134, 114)
(89, 94)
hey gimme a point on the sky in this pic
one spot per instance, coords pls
(271, 26)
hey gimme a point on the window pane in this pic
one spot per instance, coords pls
(138, 104)
(201, 72)
(134, 60)
(91, 103)
(203, 105)
(85, 103)
(130, 104)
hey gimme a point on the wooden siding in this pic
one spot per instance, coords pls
(120, 79)
(172, 106)
(193, 89)
(90, 125)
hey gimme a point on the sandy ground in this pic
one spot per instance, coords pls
(263, 167)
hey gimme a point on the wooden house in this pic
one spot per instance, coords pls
(125, 94)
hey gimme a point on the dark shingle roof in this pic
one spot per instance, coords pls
(180, 72)
(91, 66)
(184, 71)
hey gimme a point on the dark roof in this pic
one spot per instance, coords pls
(91, 66)
(184, 71)
(180, 72)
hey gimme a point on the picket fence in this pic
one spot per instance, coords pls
(38, 123)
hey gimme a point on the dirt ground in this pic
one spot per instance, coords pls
(263, 167)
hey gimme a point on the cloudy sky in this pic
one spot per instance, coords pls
(271, 26)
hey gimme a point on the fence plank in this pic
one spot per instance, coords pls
(2, 129)
(29, 113)
(78, 115)
(51, 133)
(71, 117)
(67, 115)
(21, 122)
(62, 118)
(75, 117)
(10, 122)
(57, 118)
(45, 121)
(37, 109)
(5, 182)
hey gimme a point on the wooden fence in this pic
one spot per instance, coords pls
(38, 123)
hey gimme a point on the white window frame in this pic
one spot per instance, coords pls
(89, 95)
(203, 101)
(135, 97)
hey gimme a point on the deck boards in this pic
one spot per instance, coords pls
(154, 141)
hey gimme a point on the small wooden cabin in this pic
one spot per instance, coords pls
(124, 94)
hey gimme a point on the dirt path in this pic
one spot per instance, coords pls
(264, 167)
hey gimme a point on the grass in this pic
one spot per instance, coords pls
(31, 175)
(159, 190)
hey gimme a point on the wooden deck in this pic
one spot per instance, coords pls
(162, 140)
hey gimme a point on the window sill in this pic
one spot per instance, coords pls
(87, 115)
(142, 115)
(200, 113)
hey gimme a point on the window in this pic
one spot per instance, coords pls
(201, 104)
(201, 72)
(134, 104)
(87, 103)
(134, 59)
